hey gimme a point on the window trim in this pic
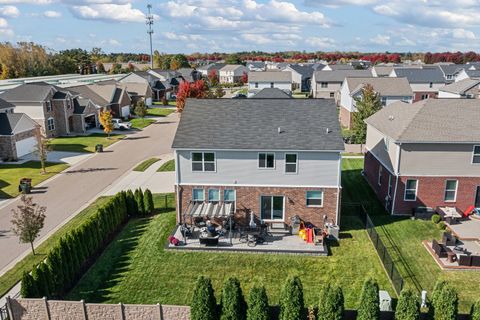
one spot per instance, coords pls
(379, 177)
(445, 190)
(405, 192)
(48, 124)
(203, 193)
(296, 162)
(314, 205)
(48, 106)
(234, 196)
(208, 194)
(266, 153)
(283, 208)
(203, 161)
(475, 154)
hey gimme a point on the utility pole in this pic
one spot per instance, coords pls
(149, 21)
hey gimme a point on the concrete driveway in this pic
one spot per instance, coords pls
(69, 192)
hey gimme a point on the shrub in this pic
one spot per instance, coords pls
(408, 307)
(148, 202)
(204, 305)
(139, 201)
(444, 302)
(475, 311)
(132, 207)
(28, 288)
(258, 304)
(292, 305)
(369, 308)
(331, 303)
(39, 281)
(54, 262)
(47, 276)
(436, 218)
(233, 302)
(441, 225)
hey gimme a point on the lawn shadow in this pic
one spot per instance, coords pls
(137, 138)
(69, 147)
(86, 170)
(4, 195)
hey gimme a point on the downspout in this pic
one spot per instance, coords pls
(177, 189)
(397, 176)
(339, 188)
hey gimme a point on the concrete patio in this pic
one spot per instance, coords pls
(466, 229)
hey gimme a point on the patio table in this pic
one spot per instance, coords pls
(449, 213)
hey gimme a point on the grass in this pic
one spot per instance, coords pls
(84, 143)
(167, 166)
(10, 175)
(403, 238)
(138, 123)
(159, 112)
(145, 164)
(11, 277)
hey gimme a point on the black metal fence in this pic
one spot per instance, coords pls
(3, 312)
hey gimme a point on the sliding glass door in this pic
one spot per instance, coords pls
(271, 207)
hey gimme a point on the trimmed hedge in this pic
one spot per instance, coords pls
(436, 218)
(369, 307)
(408, 306)
(233, 303)
(148, 202)
(444, 302)
(292, 305)
(258, 304)
(204, 305)
(331, 303)
(475, 311)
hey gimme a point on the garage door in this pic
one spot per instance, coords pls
(148, 102)
(26, 146)
(125, 111)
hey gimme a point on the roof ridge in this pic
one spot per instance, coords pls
(423, 102)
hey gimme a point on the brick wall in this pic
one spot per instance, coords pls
(62, 116)
(7, 148)
(417, 96)
(345, 118)
(77, 124)
(248, 199)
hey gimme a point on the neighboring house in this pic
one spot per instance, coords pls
(6, 107)
(137, 91)
(275, 66)
(85, 115)
(271, 93)
(424, 82)
(301, 76)
(327, 84)
(18, 136)
(271, 158)
(382, 71)
(339, 66)
(256, 66)
(467, 74)
(232, 73)
(390, 90)
(426, 154)
(160, 88)
(189, 74)
(450, 71)
(463, 89)
(269, 79)
(205, 70)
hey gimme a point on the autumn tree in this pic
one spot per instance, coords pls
(213, 77)
(43, 146)
(141, 110)
(244, 78)
(179, 61)
(182, 94)
(233, 59)
(368, 104)
(100, 67)
(106, 119)
(28, 220)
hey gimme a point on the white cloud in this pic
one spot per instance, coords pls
(405, 42)
(256, 38)
(109, 12)
(3, 23)
(463, 34)
(9, 12)
(321, 42)
(52, 14)
(182, 37)
(381, 39)
(114, 42)
(38, 2)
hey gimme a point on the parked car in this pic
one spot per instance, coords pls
(118, 124)
(239, 96)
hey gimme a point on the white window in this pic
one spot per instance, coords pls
(198, 195)
(271, 84)
(291, 162)
(424, 96)
(50, 124)
(49, 106)
(411, 190)
(324, 84)
(266, 160)
(314, 198)
(476, 154)
(229, 196)
(380, 171)
(384, 101)
(213, 195)
(451, 190)
(256, 84)
(203, 161)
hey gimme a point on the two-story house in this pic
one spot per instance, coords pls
(327, 84)
(273, 158)
(160, 86)
(207, 69)
(390, 90)
(424, 82)
(232, 73)
(269, 79)
(256, 66)
(426, 154)
(301, 76)
(463, 89)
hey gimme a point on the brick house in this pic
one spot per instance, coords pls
(275, 158)
(424, 82)
(426, 154)
(17, 135)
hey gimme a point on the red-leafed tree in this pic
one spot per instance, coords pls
(213, 78)
(244, 78)
(197, 89)
(182, 94)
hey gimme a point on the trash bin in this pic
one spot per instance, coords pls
(385, 301)
(99, 148)
(333, 231)
(25, 188)
(295, 224)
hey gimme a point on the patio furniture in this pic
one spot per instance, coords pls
(423, 213)
(209, 241)
(448, 239)
(451, 256)
(475, 261)
(439, 249)
(449, 214)
(464, 260)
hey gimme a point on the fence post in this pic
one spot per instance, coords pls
(160, 311)
(166, 201)
(84, 308)
(9, 309)
(46, 308)
(122, 311)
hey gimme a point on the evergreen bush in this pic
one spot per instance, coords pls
(436, 218)
(131, 204)
(369, 307)
(28, 287)
(408, 306)
(148, 202)
(475, 311)
(331, 303)
(258, 308)
(233, 302)
(39, 282)
(444, 302)
(139, 200)
(204, 305)
(292, 306)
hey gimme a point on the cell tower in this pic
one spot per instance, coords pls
(149, 22)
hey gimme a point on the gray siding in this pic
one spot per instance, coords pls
(376, 145)
(241, 168)
(438, 160)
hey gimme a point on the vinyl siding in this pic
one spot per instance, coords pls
(375, 144)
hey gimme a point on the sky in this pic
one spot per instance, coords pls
(186, 26)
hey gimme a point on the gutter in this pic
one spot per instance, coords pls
(397, 176)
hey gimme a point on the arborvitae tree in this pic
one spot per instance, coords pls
(139, 201)
(204, 305)
(408, 306)
(28, 288)
(446, 304)
(258, 308)
(132, 207)
(475, 311)
(292, 305)
(369, 308)
(437, 289)
(39, 281)
(233, 303)
(72, 250)
(54, 262)
(47, 276)
(148, 202)
(368, 104)
(331, 303)
(67, 263)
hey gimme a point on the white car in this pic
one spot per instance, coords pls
(118, 124)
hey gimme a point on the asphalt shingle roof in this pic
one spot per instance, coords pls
(5, 104)
(8, 122)
(253, 124)
(271, 93)
(29, 92)
(461, 86)
(340, 75)
(306, 70)
(425, 75)
(385, 86)
(284, 76)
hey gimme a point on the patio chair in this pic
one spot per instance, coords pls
(475, 261)
(209, 241)
(465, 260)
(448, 239)
(439, 249)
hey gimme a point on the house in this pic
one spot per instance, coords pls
(469, 73)
(256, 66)
(390, 90)
(232, 73)
(327, 84)
(189, 74)
(6, 107)
(205, 70)
(381, 71)
(18, 136)
(424, 82)
(137, 91)
(275, 66)
(426, 154)
(271, 158)
(160, 88)
(301, 76)
(269, 79)
(271, 93)
(466, 88)
(451, 70)
(339, 66)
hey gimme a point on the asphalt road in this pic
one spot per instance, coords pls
(73, 189)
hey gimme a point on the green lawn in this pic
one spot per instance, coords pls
(11, 277)
(145, 164)
(404, 237)
(138, 123)
(167, 166)
(10, 174)
(84, 143)
(159, 112)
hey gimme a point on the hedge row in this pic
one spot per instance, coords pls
(66, 262)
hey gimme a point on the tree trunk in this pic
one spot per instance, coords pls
(33, 249)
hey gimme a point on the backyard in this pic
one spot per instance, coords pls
(84, 143)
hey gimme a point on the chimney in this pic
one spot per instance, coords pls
(280, 130)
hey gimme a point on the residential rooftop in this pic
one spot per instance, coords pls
(460, 87)
(267, 76)
(424, 75)
(340, 75)
(271, 93)
(385, 86)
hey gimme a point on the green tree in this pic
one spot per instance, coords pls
(139, 201)
(204, 305)
(141, 110)
(331, 303)
(408, 306)
(368, 104)
(233, 59)
(28, 288)
(292, 306)
(233, 302)
(148, 201)
(39, 281)
(47, 276)
(475, 311)
(445, 305)
(258, 308)
(132, 207)
(54, 262)
(369, 307)
(179, 61)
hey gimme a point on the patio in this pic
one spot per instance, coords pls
(466, 229)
